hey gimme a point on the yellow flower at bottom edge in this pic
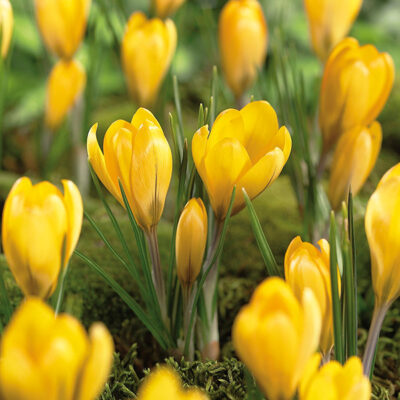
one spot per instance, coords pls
(6, 26)
(43, 356)
(245, 148)
(66, 83)
(38, 223)
(164, 383)
(353, 161)
(275, 335)
(335, 382)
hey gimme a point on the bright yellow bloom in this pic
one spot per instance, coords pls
(163, 8)
(147, 50)
(329, 22)
(164, 383)
(66, 83)
(307, 266)
(62, 24)
(191, 239)
(245, 148)
(50, 357)
(6, 26)
(356, 83)
(38, 221)
(335, 382)
(275, 335)
(382, 225)
(354, 159)
(243, 39)
(138, 155)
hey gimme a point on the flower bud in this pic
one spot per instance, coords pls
(6, 26)
(43, 356)
(148, 47)
(164, 8)
(191, 239)
(40, 230)
(243, 39)
(382, 225)
(329, 22)
(353, 161)
(66, 83)
(62, 24)
(138, 155)
(356, 83)
(275, 335)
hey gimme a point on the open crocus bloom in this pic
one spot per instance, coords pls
(245, 148)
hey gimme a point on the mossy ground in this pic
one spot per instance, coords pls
(90, 299)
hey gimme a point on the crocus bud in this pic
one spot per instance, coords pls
(356, 83)
(164, 383)
(191, 239)
(382, 225)
(62, 24)
(329, 21)
(335, 381)
(138, 155)
(275, 335)
(164, 8)
(147, 50)
(66, 83)
(354, 159)
(40, 230)
(243, 39)
(245, 148)
(43, 356)
(307, 266)
(6, 26)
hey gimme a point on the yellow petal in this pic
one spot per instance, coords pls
(142, 115)
(164, 8)
(199, 145)
(6, 26)
(308, 374)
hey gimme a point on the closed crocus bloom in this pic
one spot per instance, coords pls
(62, 24)
(336, 382)
(64, 87)
(163, 8)
(356, 83)
(382, 225)
(275, 335)
(191, 239)
(138, 155)
(6, 26)
(245, 148)
(39, 225)
(329, 22)
(243, 39)
(43, 356)
(306, 266)
(354, 159)
(147, 50)
(164, 383)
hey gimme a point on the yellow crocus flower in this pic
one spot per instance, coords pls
(306, 266)
(275, 335)
(43, 356)
(329, 22)
(164, 383)
(335, 382)
(147, 49)
(190, 243)
(163, 8)
(138, 155)
(355, 156)
(356, 83)
(40, 224)
(245, 148)
(66, 83)
(62, 24)
(243, 40)
(382, 225)
(6, 26)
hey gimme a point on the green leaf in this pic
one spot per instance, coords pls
(179, 113)
(5, 301)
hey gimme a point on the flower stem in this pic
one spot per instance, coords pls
(188, 297)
